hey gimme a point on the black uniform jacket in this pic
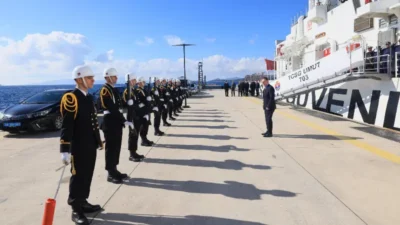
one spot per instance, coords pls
(80, 130)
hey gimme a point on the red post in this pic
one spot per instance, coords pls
(48, 214)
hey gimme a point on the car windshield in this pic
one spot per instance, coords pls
(45, 97)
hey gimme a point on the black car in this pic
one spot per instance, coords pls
(38, 112)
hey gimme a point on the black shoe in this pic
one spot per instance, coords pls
(147, 143)
(172, 118)
(158, 133)
(89, 208)
(79, 218)
(121, 175)
(114, 179)
(267, 135)
(167, 124)
(176, 114)
(136, 157)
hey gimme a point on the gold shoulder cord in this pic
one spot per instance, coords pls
(69, 103)
(125, 93)
(104, 92)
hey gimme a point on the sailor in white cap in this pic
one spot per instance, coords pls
(79, 140)
(144, 101)
(165, 98)
(133, 111)
(170, 93)
(113, 124)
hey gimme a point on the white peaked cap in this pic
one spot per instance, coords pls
(131, 77)
(163, 79)
(108, 72)
(141, 79)
(82, 71)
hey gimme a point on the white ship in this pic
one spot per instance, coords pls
(326, 62)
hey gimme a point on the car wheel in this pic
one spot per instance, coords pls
(57, 123)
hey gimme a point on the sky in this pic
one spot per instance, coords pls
(43, 41)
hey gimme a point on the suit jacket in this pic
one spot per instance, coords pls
(269, 98)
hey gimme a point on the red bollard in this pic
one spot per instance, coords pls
(48, 214)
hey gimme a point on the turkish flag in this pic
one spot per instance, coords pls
(270, 64)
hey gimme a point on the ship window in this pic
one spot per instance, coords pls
(393, 20)
(361, 24)
(382, 23)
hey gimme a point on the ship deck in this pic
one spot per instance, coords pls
(214, 167)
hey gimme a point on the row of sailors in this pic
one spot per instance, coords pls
(80, 134)
(386, 55)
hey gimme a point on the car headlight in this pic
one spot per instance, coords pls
(38, 114)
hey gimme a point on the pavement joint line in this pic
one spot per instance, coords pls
(362, 145)
(308, 172)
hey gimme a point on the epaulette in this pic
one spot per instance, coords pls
(104, 93)
(69, 103)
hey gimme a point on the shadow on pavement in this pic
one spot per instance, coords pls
(214, 137)
(316, 136)
(222, 148)
(203, 116)
(226, 165)
(206, 126)
(130, 219)
(232, 189)
(194, 120)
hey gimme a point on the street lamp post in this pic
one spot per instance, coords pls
(184, 67)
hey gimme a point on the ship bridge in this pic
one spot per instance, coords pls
(350, 62)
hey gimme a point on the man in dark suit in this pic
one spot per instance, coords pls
(269, 105)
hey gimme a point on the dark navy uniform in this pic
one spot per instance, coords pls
(170, 94)
(164, 102)
(112, 127)
(134, 111)
(157, 104)
(80, 137)
(144, 102)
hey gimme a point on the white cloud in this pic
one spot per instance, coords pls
(45, 57)
(211, 40)
(146, 41)
(173, 40)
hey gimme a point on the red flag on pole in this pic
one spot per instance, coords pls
(270, 64)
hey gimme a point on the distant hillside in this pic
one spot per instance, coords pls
(221, 82)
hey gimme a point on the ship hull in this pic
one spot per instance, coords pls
(375, 102)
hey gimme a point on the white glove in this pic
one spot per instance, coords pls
(146, 117)
(130, 102)
(148, 98)
(141, 105)
(156, 93)
(170, 100)
(165, 106)
(155, 109)
(177, 98)
(167, 94)
(65, 157)
(129, 124)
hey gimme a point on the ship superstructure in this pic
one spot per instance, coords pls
(343, 57)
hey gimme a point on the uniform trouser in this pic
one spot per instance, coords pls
(170, 108)
(133, 138)
(83, 162)
(157, 119)
(258, 92)
(164, 113)
(233, 92)
(144, 129)
(268, 120)
(226, 92)
(113, 139)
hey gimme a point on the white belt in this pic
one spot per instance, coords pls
(108, 112)
(141, 105)
(161, 99)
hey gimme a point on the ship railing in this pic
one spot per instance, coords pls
(396, 64)
(376, 64)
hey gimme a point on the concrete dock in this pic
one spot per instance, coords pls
(215, 168)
